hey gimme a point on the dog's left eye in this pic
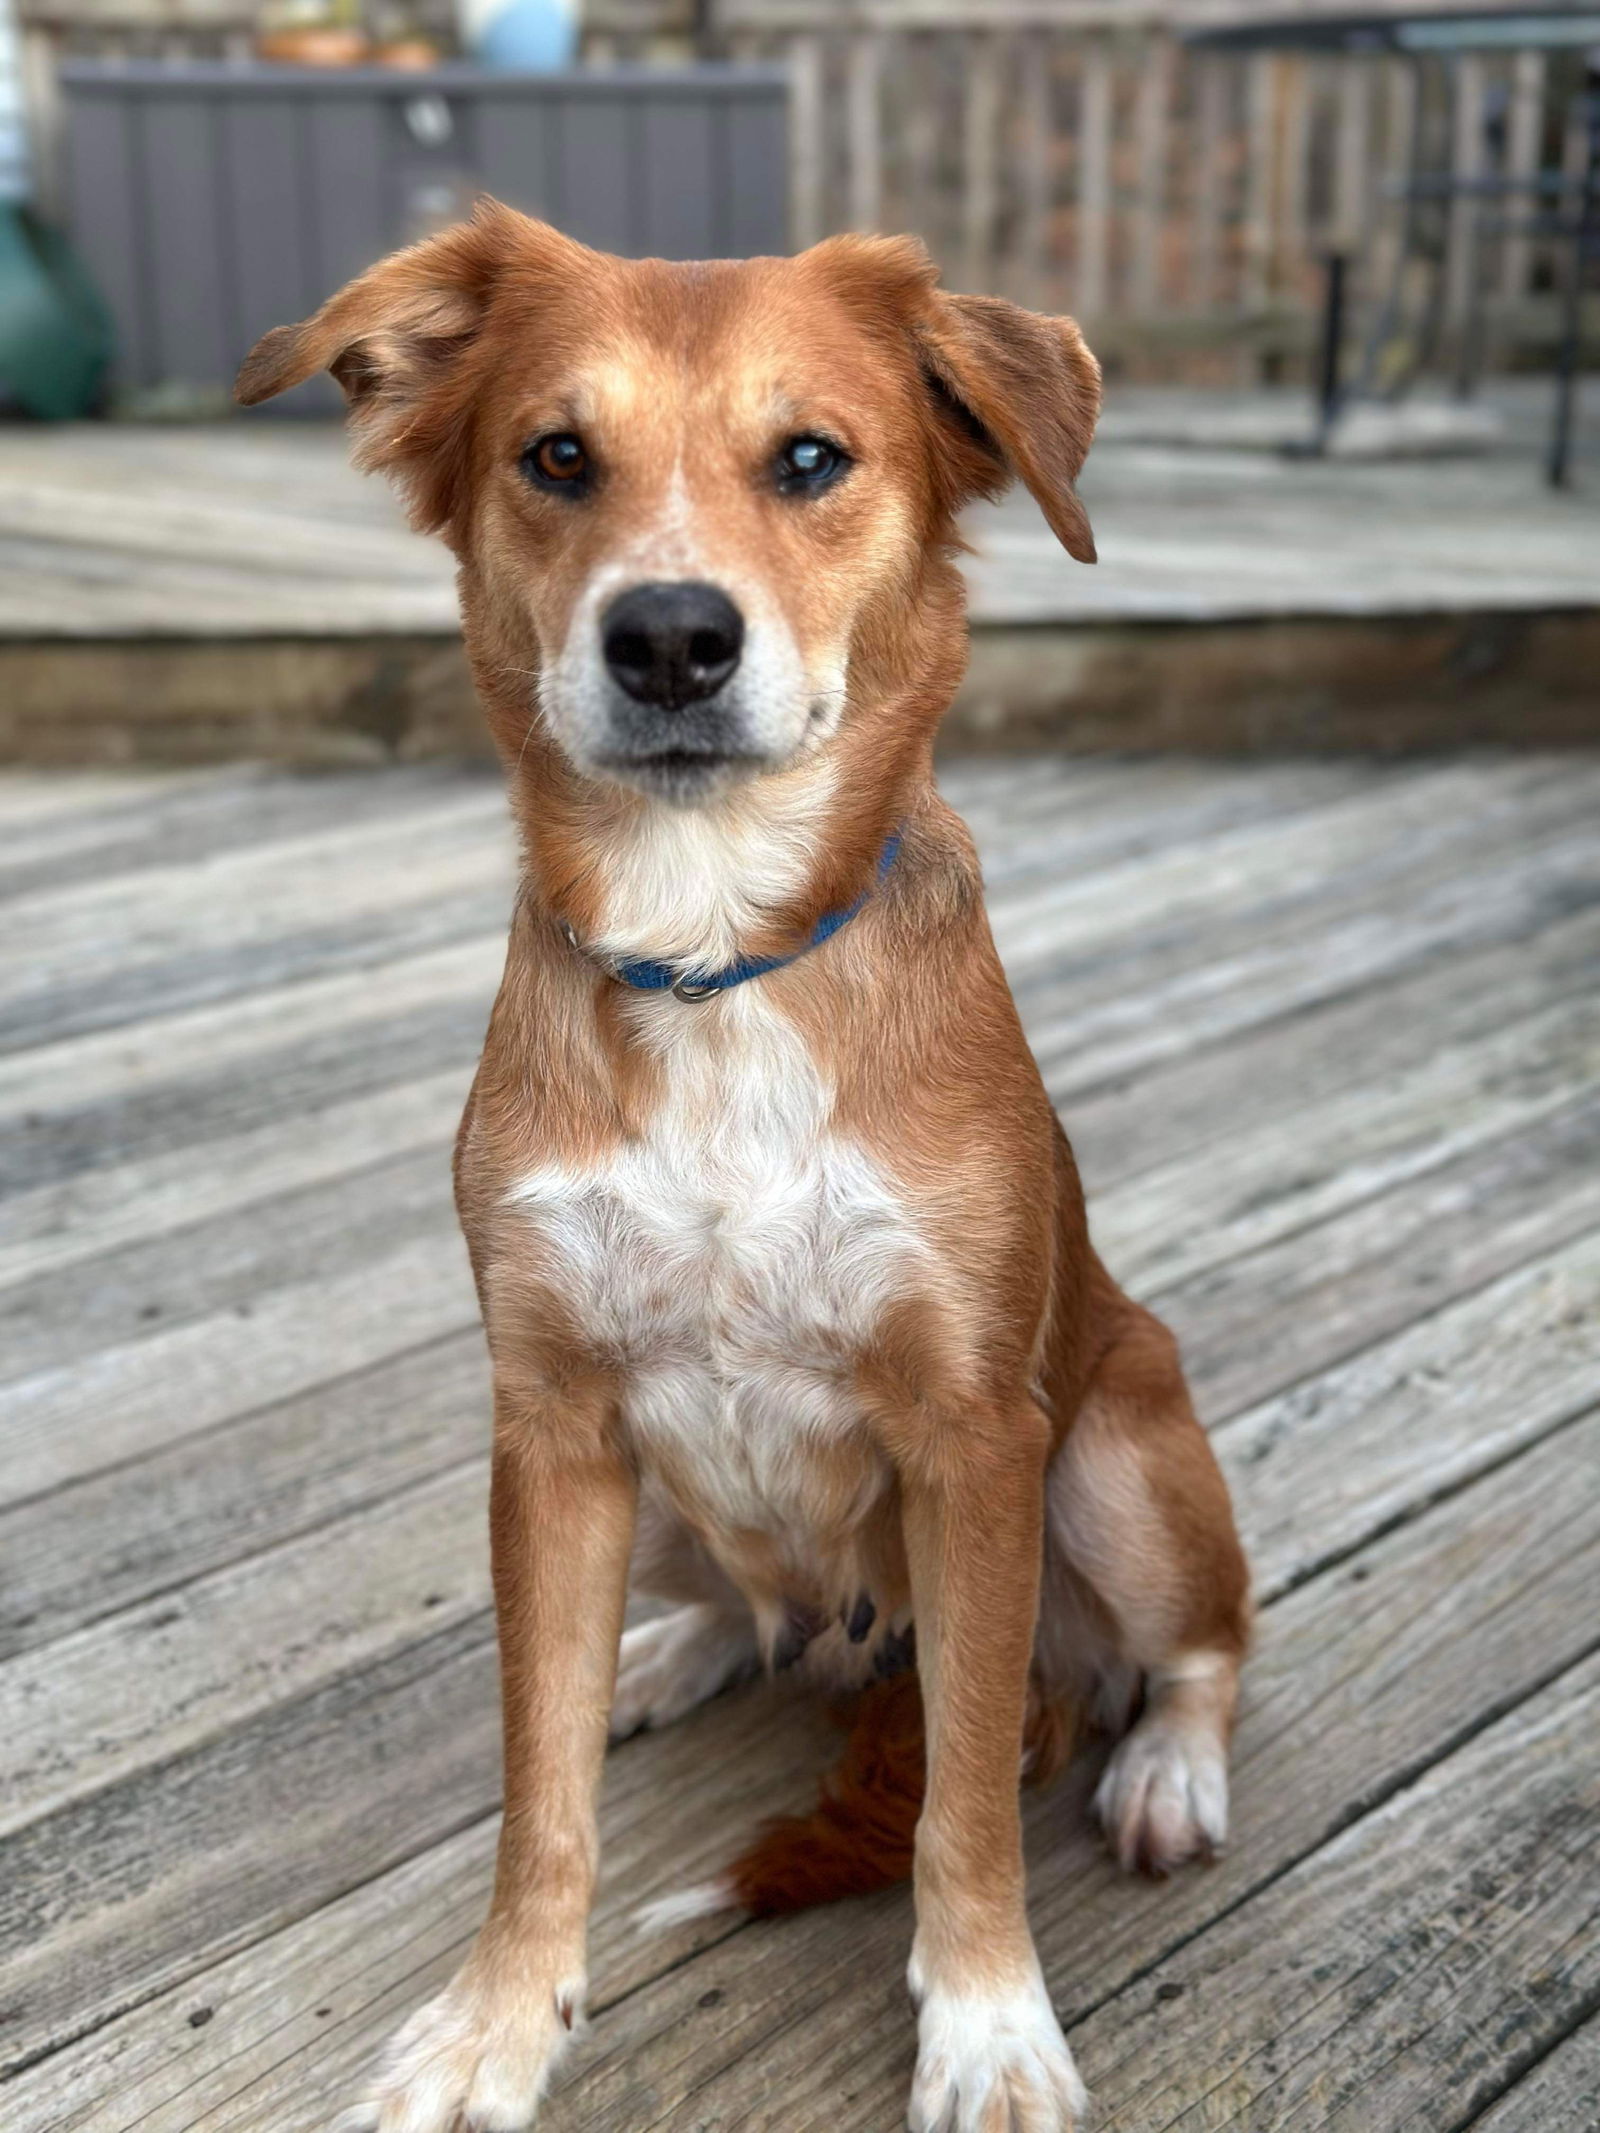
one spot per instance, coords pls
(558, 461)
(809, 463)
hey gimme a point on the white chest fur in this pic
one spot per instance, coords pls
(734, 1258)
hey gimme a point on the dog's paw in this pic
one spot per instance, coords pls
(479, 2056)
(669, 1665)
(1164, 1797)
(993, 2063)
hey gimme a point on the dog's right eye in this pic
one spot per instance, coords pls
(558, 461)
(809, 463)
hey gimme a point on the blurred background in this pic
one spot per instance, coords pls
(1343, 271)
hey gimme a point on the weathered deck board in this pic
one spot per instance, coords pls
(1561, 2091)
(1329, 1032)
(1351, 1989)
(231, 528)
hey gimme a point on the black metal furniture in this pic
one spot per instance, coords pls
(1563, 205)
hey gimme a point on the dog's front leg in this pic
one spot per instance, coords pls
(990, 2050)
(562, 1501)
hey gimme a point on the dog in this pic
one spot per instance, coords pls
(781, 1251)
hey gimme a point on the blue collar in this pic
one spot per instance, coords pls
(646, 976)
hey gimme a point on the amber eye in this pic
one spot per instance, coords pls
(558, 461)
(809, 463)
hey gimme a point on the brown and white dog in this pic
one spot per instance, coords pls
(786, 1277)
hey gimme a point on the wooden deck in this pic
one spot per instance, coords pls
(234, 589)
(1328, 1039)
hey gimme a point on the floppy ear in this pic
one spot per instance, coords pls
(1026, 391)
(393, 338)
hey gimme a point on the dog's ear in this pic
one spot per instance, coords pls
(1023, 393)
(394, 338)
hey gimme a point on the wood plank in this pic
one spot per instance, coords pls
(217, 812)
(864, 61)
(120, 1536)
(1263, 91)
(77, 1420)
(203, 1270)
(1212, 80)
(241, 1718)
(1523, 154)
(109, 1095)
(980, 158)
(1463, 267)
(1036, 169)
(1560, 2095)
(100, 1100)
(37, 805)
(1180, 992)
(1385, 1029)
(1352, 156)
(1422, 1956)
(324, 865)
(1152, 125)
(156, 1680)
(104, 1133)
(1244, 1189)
(808, 142)
(1267, 868)
(1435, 1404)
(1363, 1678)
(1250, 1328)
(100, 1212)
(243, 918)
(1092, 253)
(1261, 1321)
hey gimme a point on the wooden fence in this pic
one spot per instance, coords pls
(1081, 156)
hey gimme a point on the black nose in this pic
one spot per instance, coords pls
(672, 645)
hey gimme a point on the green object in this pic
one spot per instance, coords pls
(55, 335)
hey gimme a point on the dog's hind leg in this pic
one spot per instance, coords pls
(705, 1643)
(1146, 1589)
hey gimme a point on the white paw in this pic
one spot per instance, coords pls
(479, 2056)
(1164, 1797)
(993, 2063)
(668, 1666)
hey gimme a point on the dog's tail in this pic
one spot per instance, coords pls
(861, 1834)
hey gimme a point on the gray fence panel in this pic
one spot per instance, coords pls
(213, 201)
(270, 265)
(599, 173)
(518, 157)
(102, 194)
(183, 239)
(755, 188)
(679, 180)
(349, 204)
(268, 256)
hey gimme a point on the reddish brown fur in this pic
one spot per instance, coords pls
(1020, 1397)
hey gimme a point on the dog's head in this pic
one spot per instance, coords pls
(697, 506)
